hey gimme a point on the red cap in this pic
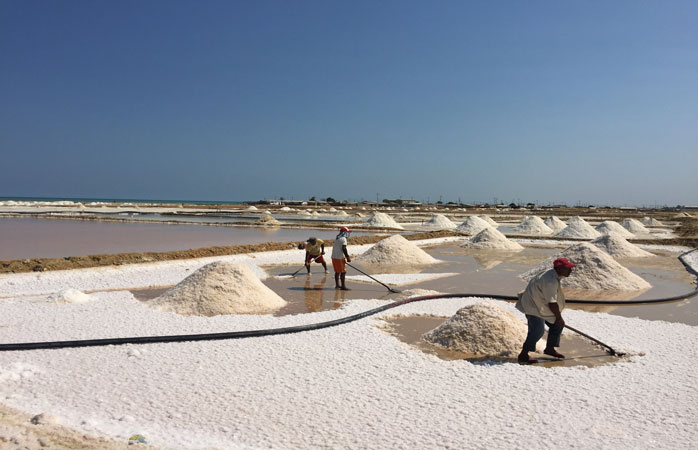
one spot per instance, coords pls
(345, 229)
(563, 262)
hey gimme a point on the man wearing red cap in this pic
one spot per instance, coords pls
(543, 302)
(340, 256)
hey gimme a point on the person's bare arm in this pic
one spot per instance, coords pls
(555, 308)
(346, 253)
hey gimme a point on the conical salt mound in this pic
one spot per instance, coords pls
(483, 329)
(219, 288)
(634, 226)
(651, 221)
(609, 226)
(342, 214)
(440, 222)
(266, 219)
(382, 220)
(489, 220)
(532, 225)
(578, 228)
(473, 225)
(492, 238)
(555, 224)
(395, 250)
(595, 269)
(251, 208)
(304, 213)
(616, 245)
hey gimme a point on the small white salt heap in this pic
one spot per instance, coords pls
(483, 329)
(440, 222)
(616, 245)
(219, 288)
(634, 226)
(70, 296)
(395, 250)
(492, 238)
(285, 209)
(555, 224)
(342, 214)
(266, 219)
(532, 225)
(595, 269)
(489, 220)
(651, 221)
(251, 208)
(473, 225)
(578, 228)
(382, 220)
(609, 226)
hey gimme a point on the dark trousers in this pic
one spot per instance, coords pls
(536, 328)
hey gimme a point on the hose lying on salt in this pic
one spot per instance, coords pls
(301, 328)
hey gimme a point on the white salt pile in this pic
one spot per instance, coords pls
(382, 220)
(342, 214)
(304, 213)
(441, 222)
(492, 238)
(266, 219)
(595, 269)
(395, 250)
(616, 245)
(285, 208)
(578, 228)
(251, 208)
(555, 224)
(651, 221)
(473, 225)
(483, 329)
(634, 226)
(487, 219)
(609, 226)
(532, 225)
(219, 288)
(70, 296)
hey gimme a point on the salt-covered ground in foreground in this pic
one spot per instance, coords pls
(351, 386)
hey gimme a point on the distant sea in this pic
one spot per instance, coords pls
(121, 200)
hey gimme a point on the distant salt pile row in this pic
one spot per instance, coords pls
(219, 288)
(609, 226)
(595, 269)
(616, 245)
(492, 239)
(532, 225)
(382, 220)
(652, 222)
(473, 225)
(634, 226)
(70, 296)
(555, 224)
(483, 329)
(395, 250)
(441, 222)
(578, 228)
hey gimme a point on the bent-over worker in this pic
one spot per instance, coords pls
(314, 249)
(542, 302)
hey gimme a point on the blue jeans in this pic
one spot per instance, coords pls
(536, 328)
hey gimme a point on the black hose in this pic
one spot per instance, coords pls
(299, 328)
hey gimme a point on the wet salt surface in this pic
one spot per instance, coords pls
(45, 238)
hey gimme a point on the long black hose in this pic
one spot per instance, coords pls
(301, 328)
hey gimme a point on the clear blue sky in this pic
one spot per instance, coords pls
(545, 101)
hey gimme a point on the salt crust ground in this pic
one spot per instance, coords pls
(352, 386)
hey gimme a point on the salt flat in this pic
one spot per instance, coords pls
(351, 386)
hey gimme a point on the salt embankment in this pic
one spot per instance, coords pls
(634, 226)
(473, 225)
(555, 224)
(483, 329)
(616, 245)
(491, 238)
(395, 250)
(382, 220)
(578, 228)
(440, 222)
(609, 226)
(219, 288)
(595, 270)
(532, 225)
